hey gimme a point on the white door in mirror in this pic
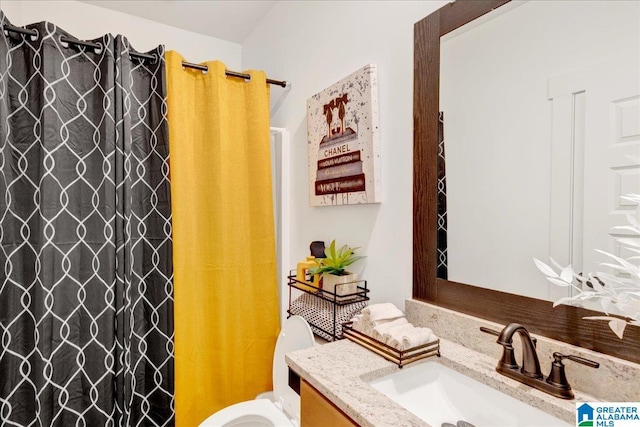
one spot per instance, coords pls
(611, 155)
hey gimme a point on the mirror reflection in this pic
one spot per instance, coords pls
(541, 138)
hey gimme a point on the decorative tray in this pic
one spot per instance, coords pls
(399, 357)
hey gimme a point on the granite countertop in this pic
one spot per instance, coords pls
(340, 371)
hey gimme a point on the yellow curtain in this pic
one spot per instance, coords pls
(226, 309)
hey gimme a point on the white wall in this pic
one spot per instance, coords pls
(313, 44)
(86, 22)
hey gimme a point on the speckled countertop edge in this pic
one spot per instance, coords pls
(340, 371)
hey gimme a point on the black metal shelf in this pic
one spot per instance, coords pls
(331, 298)
(359, 295)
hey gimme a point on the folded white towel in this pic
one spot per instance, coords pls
(382, 311)
(396, 333)
(381, 322)
(360, 324)
(379, 331)
(357, 316)
(412, 338)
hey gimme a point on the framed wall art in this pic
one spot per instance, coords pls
(343, 141)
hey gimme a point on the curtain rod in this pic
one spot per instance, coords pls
(152, 57)
(20, 30)
(282, 83)
(71, 40)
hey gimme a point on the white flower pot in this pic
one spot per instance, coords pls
(340, 285)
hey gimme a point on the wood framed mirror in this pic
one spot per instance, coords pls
(562, 323)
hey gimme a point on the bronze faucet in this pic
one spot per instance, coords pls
(530, 362)
(555, 384)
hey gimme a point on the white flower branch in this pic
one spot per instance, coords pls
(619, 291)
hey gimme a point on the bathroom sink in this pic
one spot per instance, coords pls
(438, 394)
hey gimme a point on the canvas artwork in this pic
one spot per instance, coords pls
(342, 140)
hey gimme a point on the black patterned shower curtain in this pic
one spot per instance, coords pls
(86, 298)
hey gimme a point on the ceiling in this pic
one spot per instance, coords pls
(228, 20)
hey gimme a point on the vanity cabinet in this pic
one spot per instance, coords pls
(317, 411)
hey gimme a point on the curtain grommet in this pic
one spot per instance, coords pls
(36, 36)
(63, 43)
(98, 50)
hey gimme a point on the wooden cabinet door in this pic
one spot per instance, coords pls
(317, 411)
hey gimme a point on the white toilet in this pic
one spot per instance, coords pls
(284, 409)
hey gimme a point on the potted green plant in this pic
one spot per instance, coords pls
(333, 269)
